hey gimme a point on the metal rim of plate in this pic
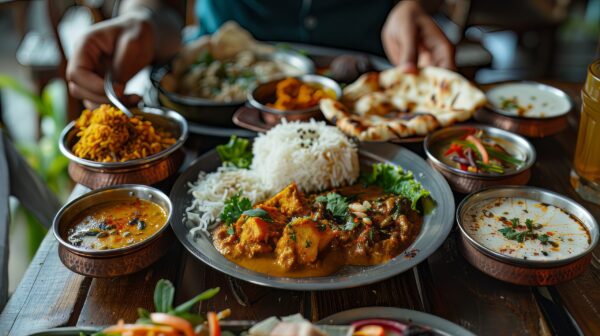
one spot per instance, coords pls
(438, 324)
(541, 86)
(436, 226)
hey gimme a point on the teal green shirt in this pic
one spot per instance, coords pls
(348, 24)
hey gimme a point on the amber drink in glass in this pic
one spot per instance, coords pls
(585, 176)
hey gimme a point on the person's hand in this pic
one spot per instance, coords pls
(126, 44)
(411, 38)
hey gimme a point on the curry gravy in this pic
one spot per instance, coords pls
(117, 224)
(304, 240)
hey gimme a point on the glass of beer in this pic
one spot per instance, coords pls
(585, 175)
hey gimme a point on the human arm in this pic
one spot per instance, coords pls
(145, 31)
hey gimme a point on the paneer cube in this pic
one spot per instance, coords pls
(290, 201)
(255, 234)
(301, 243)
(254, 230)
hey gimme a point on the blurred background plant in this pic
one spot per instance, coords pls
(43, 155)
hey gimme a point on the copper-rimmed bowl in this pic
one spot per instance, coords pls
(119, 261)
(526, 271)
(149, 170)
(529, 126)
(265, 93)
(467, 182)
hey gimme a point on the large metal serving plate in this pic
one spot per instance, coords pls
(435, 229)
(438, 324)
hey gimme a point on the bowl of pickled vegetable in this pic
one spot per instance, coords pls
(113, 231)
(472, 157)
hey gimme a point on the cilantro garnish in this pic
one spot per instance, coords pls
(336, 204)
(529, 233)
(233, 209)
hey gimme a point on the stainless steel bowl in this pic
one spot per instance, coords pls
(211, 112)
(119, 261)
(526, 271)
(465, 181)
(265, 93)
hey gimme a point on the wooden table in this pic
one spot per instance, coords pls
(445, 285)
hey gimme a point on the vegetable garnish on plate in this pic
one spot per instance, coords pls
(169, 320)
(477, 152)
(400, 182)
(236, 152)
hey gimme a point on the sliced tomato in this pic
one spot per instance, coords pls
(213, 324)
(176, 322)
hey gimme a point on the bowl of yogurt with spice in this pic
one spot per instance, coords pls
(521, 229)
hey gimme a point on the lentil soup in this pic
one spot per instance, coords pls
(117, 224)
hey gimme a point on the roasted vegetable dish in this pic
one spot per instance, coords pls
(298, 235)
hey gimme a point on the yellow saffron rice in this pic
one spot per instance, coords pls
(107, 135)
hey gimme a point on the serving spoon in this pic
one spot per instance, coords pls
(112, 96)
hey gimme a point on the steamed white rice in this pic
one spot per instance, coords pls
(314, 155)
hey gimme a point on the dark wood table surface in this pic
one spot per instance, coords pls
(445, 285)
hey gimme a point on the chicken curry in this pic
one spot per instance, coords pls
(299, 235)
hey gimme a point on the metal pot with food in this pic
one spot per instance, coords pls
(211, 77)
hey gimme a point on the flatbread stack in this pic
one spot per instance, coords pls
(393, 104)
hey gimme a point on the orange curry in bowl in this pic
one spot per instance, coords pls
(298, 235)
(293, 94)
(117, 224)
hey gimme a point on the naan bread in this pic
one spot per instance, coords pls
(393, 104)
